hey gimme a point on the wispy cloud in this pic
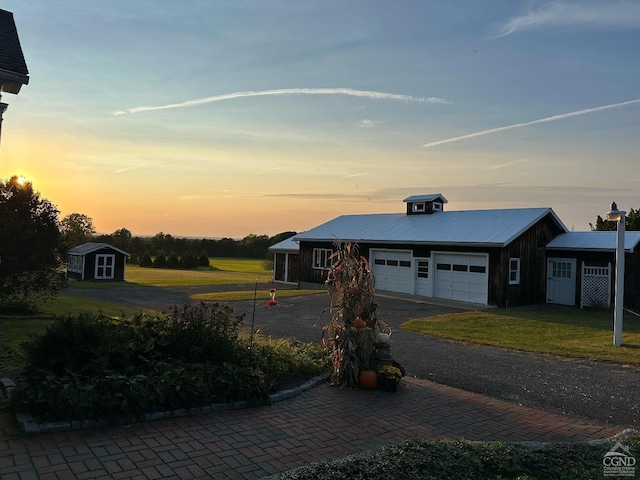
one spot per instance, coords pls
(533, 122)
(508, 164)
(134, 167)
(366, 123)
(287, 91)
(601, 14)
(270, 170)
(356, 175)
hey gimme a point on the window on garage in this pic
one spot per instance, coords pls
(322, 258)
(423, 269)
(514, 271)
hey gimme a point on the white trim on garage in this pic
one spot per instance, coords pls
(461, 276)
(393, 270)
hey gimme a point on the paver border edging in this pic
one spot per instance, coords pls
(30, 426)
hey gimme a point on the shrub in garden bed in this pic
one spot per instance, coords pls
(424, 460)
(92, 366)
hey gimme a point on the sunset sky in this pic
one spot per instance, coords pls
(230, 117)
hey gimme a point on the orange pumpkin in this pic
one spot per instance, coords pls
(368, 379)
(359, 323)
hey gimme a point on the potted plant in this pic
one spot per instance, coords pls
(389, 378)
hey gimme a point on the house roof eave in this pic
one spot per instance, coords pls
(543, 214)
(361, 241)
(11, 81)
(91, 247)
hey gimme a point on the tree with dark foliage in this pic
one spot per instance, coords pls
(632, 222)
(32, 250)
(77, 228)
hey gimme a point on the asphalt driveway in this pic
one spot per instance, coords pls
(605, 392)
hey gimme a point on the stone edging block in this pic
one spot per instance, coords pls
(30, 426)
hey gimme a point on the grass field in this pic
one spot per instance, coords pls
(223, 271)
(554, 330)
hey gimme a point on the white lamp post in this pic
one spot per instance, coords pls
(618, 216)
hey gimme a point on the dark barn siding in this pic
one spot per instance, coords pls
(294, 267)
(309, 276)
(632, 281)
(279, 266)
(530, 249)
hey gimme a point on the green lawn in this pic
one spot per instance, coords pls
(563, 331)
(226, 271)
(223, 271)
(67, 304)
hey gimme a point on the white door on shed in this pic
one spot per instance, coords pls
(463, 277)
(393, 270)
(561, 281)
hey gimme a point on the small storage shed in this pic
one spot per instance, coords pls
(96, 261)
(286, 266)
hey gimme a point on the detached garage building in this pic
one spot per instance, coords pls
(96, 261)
(488, 257)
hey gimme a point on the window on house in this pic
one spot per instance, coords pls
(514, 271)
(322, 258)
(437, 206)
(419, 207)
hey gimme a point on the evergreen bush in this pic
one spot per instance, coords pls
(145, 260)
(203, 259)
(160, 261)
(172, 260)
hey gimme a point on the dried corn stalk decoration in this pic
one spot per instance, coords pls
(350, 284)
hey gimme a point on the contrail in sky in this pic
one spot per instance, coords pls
(288, 91)
(533, 122)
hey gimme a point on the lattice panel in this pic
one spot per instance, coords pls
(596, 286)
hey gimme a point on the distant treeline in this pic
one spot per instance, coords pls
(251, 246)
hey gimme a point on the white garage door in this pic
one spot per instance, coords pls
(393, 270)
(461, 277)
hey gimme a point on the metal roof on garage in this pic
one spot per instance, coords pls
(593, 241)
(496, 227)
